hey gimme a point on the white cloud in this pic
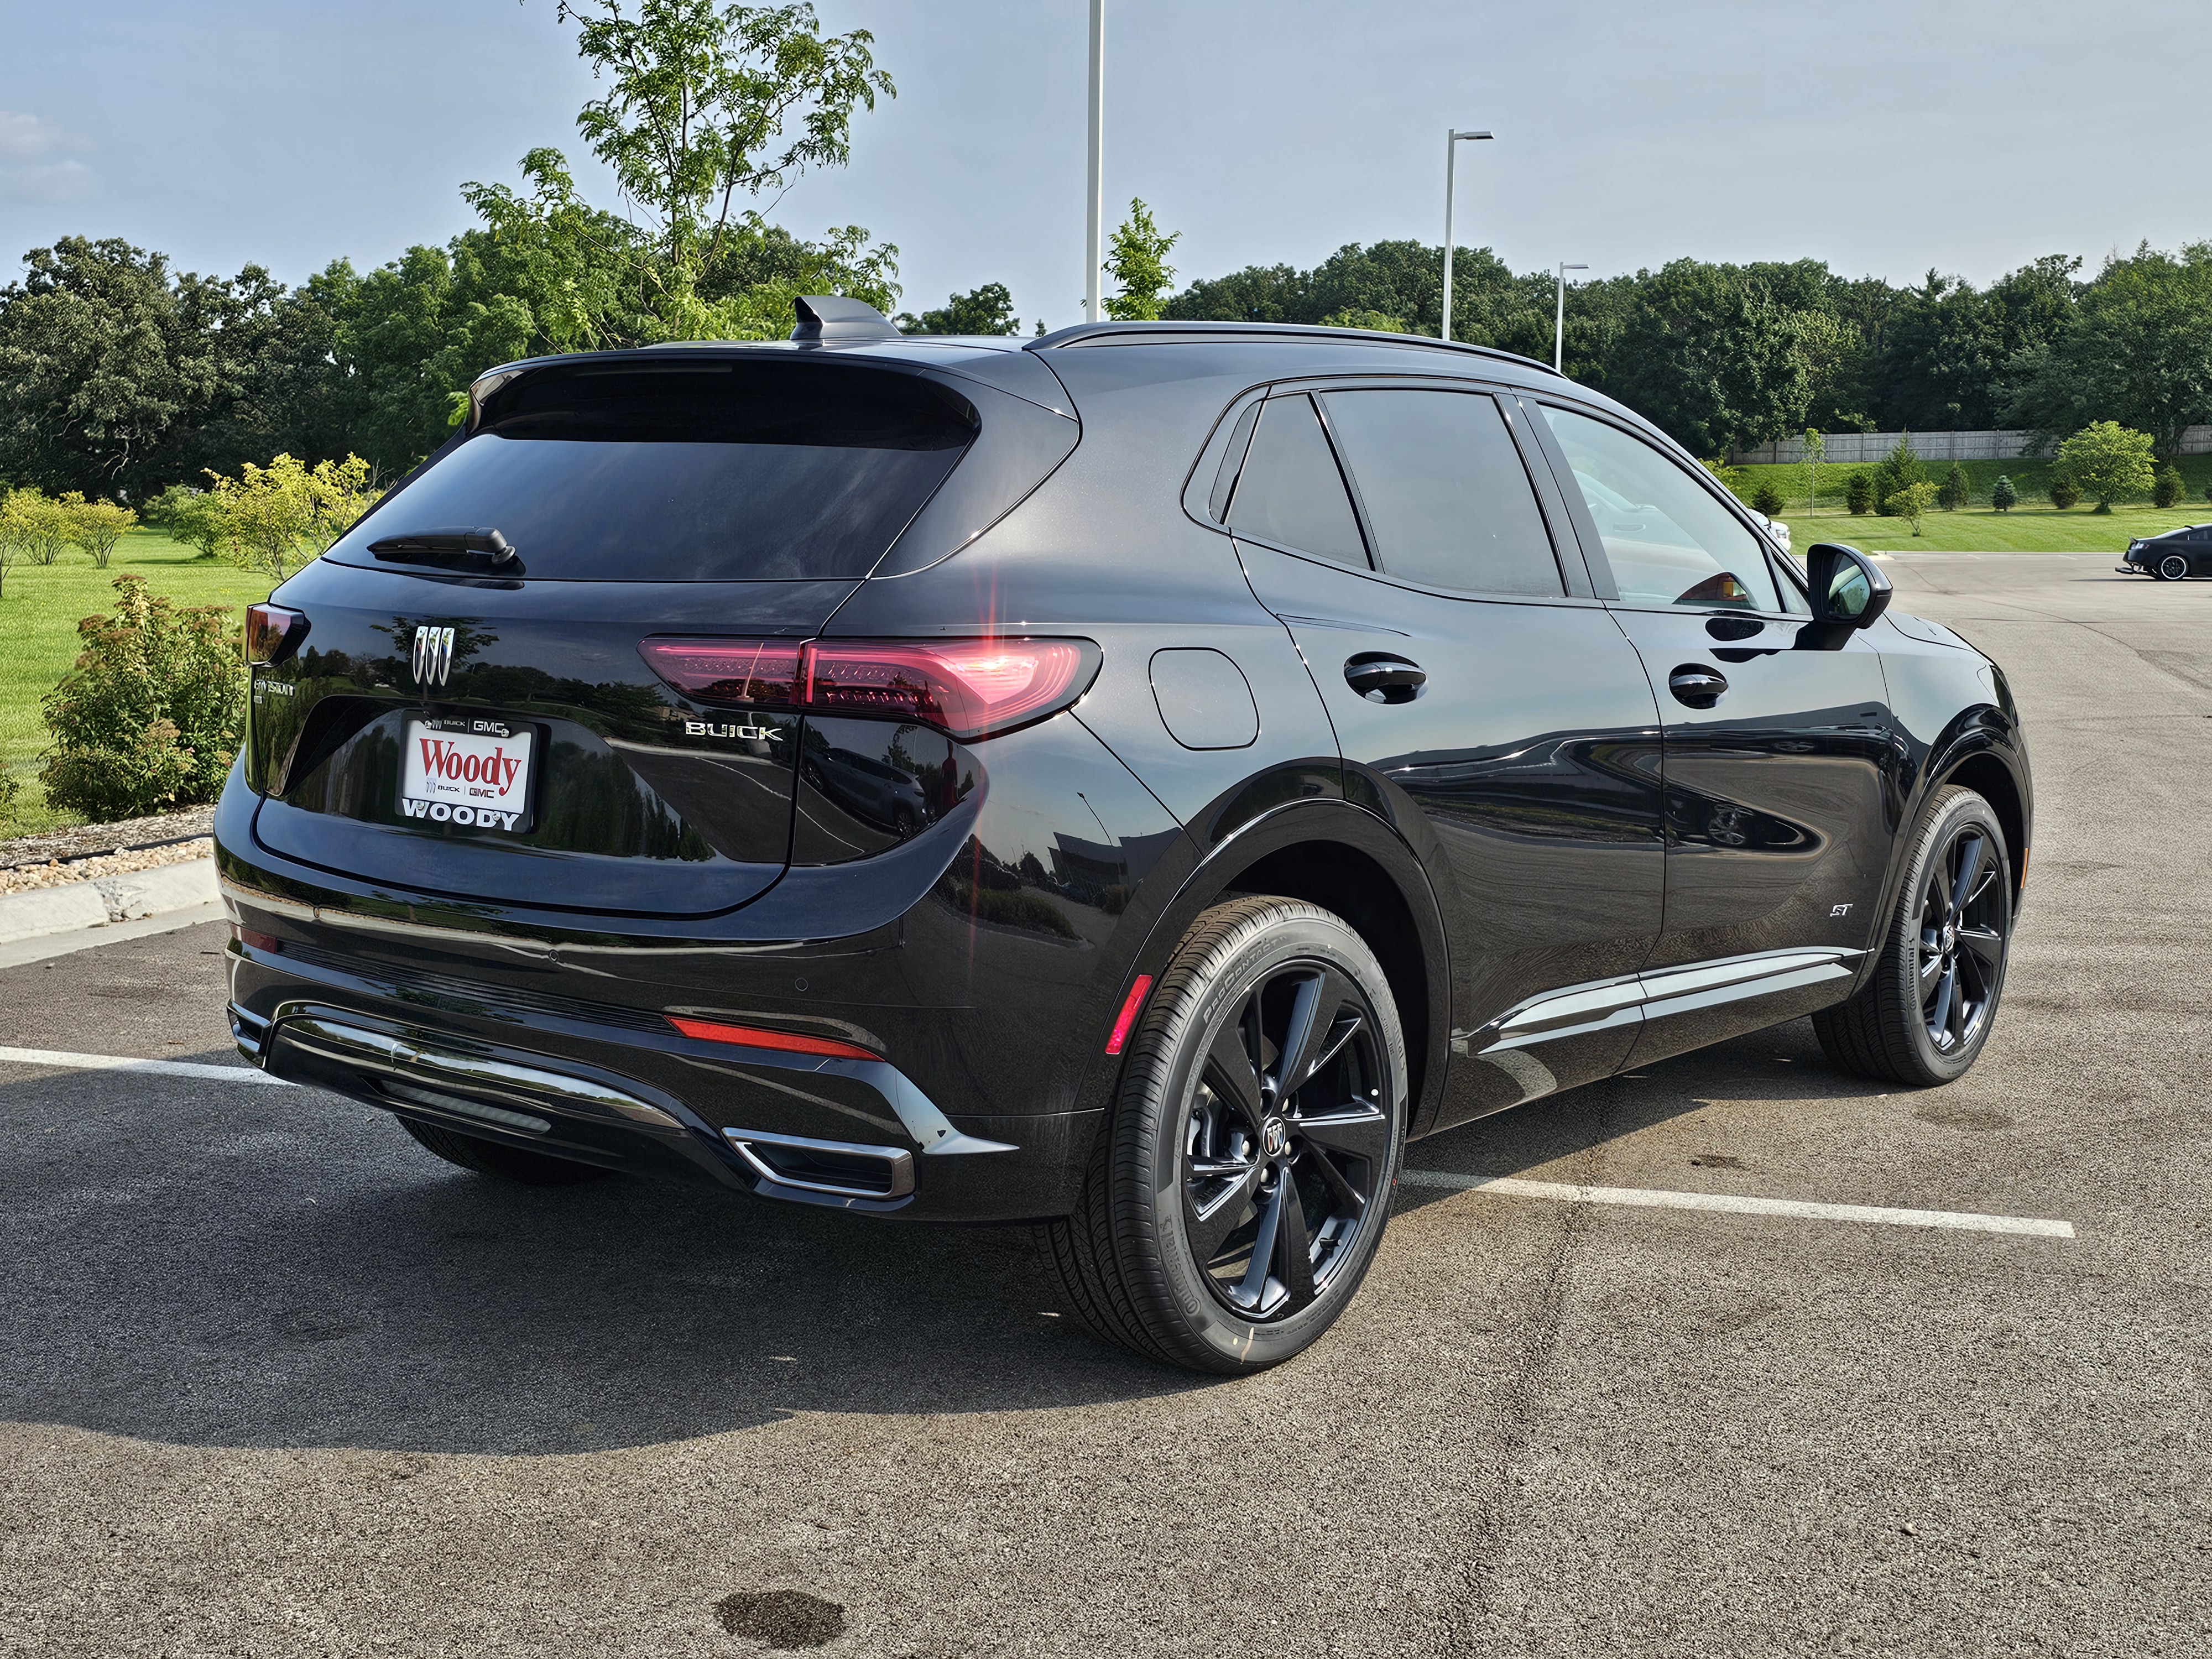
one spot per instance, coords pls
(34, 162)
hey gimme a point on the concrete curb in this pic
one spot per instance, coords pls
(79, 904)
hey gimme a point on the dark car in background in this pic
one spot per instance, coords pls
(2174, 557)
(1132, 781)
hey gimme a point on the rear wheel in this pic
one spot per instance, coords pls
(2173, 567)
(1924, 1015)
(1237, 1195)
(491, 1158)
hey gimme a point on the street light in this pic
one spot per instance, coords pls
(1452, 142)
(1559, 328)
(1093, 307)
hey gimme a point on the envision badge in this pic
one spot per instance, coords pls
(433, 655)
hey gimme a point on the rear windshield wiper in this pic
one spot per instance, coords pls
(479, 545)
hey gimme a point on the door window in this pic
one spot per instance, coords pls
(1448, 500)
(1290, 492)
(1668, 540)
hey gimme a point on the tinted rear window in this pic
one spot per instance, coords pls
(691, 472)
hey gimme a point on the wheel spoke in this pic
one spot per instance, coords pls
(1987, 945)
(1313, 1014)
(1931, 958)
(1347, 1194)
(1229, 1068)
(1970, 864)
(1360, 1130)
(1293, 1249)
(1209, 1228)
(1988, 875)
(1946, 989)
(1249, 1294)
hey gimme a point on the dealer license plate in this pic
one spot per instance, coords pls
(466, 771)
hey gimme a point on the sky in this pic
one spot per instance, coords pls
(1884, 136)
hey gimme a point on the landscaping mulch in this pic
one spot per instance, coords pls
(92, 840)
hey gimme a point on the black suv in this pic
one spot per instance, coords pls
(2175, 556)
(1132, 780)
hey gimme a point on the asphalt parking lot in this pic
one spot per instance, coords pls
(275, 1381)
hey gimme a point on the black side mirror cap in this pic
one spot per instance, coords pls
(1848, 592)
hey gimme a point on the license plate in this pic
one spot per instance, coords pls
(469, 772)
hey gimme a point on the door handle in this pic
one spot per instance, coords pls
(1380, 677)
(1696, 686)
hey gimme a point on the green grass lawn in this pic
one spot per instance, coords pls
(39, 609)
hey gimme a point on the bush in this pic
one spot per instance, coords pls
(194, 516)
(1899, 472)
(1382, 321)
(2002, 495)
(8, 788)
(2063, 494)
(1910, 502)
(1955, 491)
(149, 718)
(1859, 492)
(38, 526)
(2105, 461)
(1767, 498)
(275, 519)
(2166, 489)
(94, 527)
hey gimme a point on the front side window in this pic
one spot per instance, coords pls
(1447, 497)
(1290, 491)
(1668, 540)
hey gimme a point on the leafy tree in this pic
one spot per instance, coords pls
(2002, 495)
(11, 553)
(1767, 498)
(1816, 451)
(35, 524)
(1373, 319)
(2105, 461)
(986, 310)
(2166, 489)
(1137, 261)
(186, 513)
(152, 714)
(1911, 502)
(2063, 492)
(94, 527)
(2135, 351)
(1897, 470)
(1859, 492)
(1955, 490)
(277, 517)
(1712, 356)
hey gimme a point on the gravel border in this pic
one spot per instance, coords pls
(90, 840)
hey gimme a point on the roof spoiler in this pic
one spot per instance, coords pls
(829, 320)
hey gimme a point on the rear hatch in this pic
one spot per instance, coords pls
(470, 716)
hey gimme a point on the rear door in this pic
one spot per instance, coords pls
(1779, 804)
(1476, 699)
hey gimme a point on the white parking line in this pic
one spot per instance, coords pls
(121, 1063)
(1957, 1220)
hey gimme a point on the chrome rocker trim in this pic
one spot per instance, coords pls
(1578, 1010)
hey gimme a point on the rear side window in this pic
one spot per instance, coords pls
(691, 471)
(1290, 491)
(1448, 499)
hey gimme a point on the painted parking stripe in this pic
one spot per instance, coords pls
(122, 1063)
(1865, 1214)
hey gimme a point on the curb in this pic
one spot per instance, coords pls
(79, 904)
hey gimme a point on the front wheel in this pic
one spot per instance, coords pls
(1238, 1193)
(1927, 1011)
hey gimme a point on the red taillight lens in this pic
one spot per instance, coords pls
(759, 1036)
(272, 632)
(968, 688)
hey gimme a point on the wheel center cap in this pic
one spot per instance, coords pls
(1950, 939)
(1275, 1138)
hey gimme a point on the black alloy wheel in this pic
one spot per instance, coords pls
(2173, 568)
(1238, 1193)
(1926, 1009)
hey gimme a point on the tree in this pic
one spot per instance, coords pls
(1137, 261)
(2167, 489)
(2002, 495)
(11, 554)
(986, 310)
(1711, 356)
(1911, 502)
(34, 525)
(1816, 451)
(186, 513)
(1767, 498)
(1859, 492)
(2104, 461)
(1897, 470)
(94, 527)
(2137, 350)
(1372, 319)
(275, 517)
(1955, 490)
(2064, 494)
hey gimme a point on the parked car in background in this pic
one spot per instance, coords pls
(2175, 556)
(1775, 529)
(1131, 780)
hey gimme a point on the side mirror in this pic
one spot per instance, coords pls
(1848, 592)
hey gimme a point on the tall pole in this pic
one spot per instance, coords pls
(1452, 140)
(1559, 325)
(1093, 307)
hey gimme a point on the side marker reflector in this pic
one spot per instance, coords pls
(756, 1037)
(1128, 1017)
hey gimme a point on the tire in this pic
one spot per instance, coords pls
(1899, 1026)
(491, 1158)
(1205, 1168)
(2173, 567)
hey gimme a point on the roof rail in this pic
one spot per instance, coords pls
(1096, 333)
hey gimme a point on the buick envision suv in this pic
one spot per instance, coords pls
(1132, 781)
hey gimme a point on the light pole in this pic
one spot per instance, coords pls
(1453, 139)
(1560, 327)
(1093, 309)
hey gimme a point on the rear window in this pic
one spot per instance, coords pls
(691, 471)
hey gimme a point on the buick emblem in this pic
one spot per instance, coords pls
(433, 655)
(1275, 1138)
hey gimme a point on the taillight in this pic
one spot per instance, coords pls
(968, 688)
(272, 632)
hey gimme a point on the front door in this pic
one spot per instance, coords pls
(1776, 759)
(1477, 701)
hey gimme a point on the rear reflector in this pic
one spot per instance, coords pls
(968, 688)
(1128, 1018)
(757, 1036)
(273, 633)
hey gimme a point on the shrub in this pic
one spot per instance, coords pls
(275, 517)
(1899, 470)
(2105, 461)
(1910, 502)
(7, 787)
(2063, 494)
(94, 527)
(39, 527)
(1383, 321)
(2166, 489)
(1955, 491)
(1731, 479)
(150, 717)
(194, 516)
(1767, 498)
(1858, 493)
(2002, 495)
